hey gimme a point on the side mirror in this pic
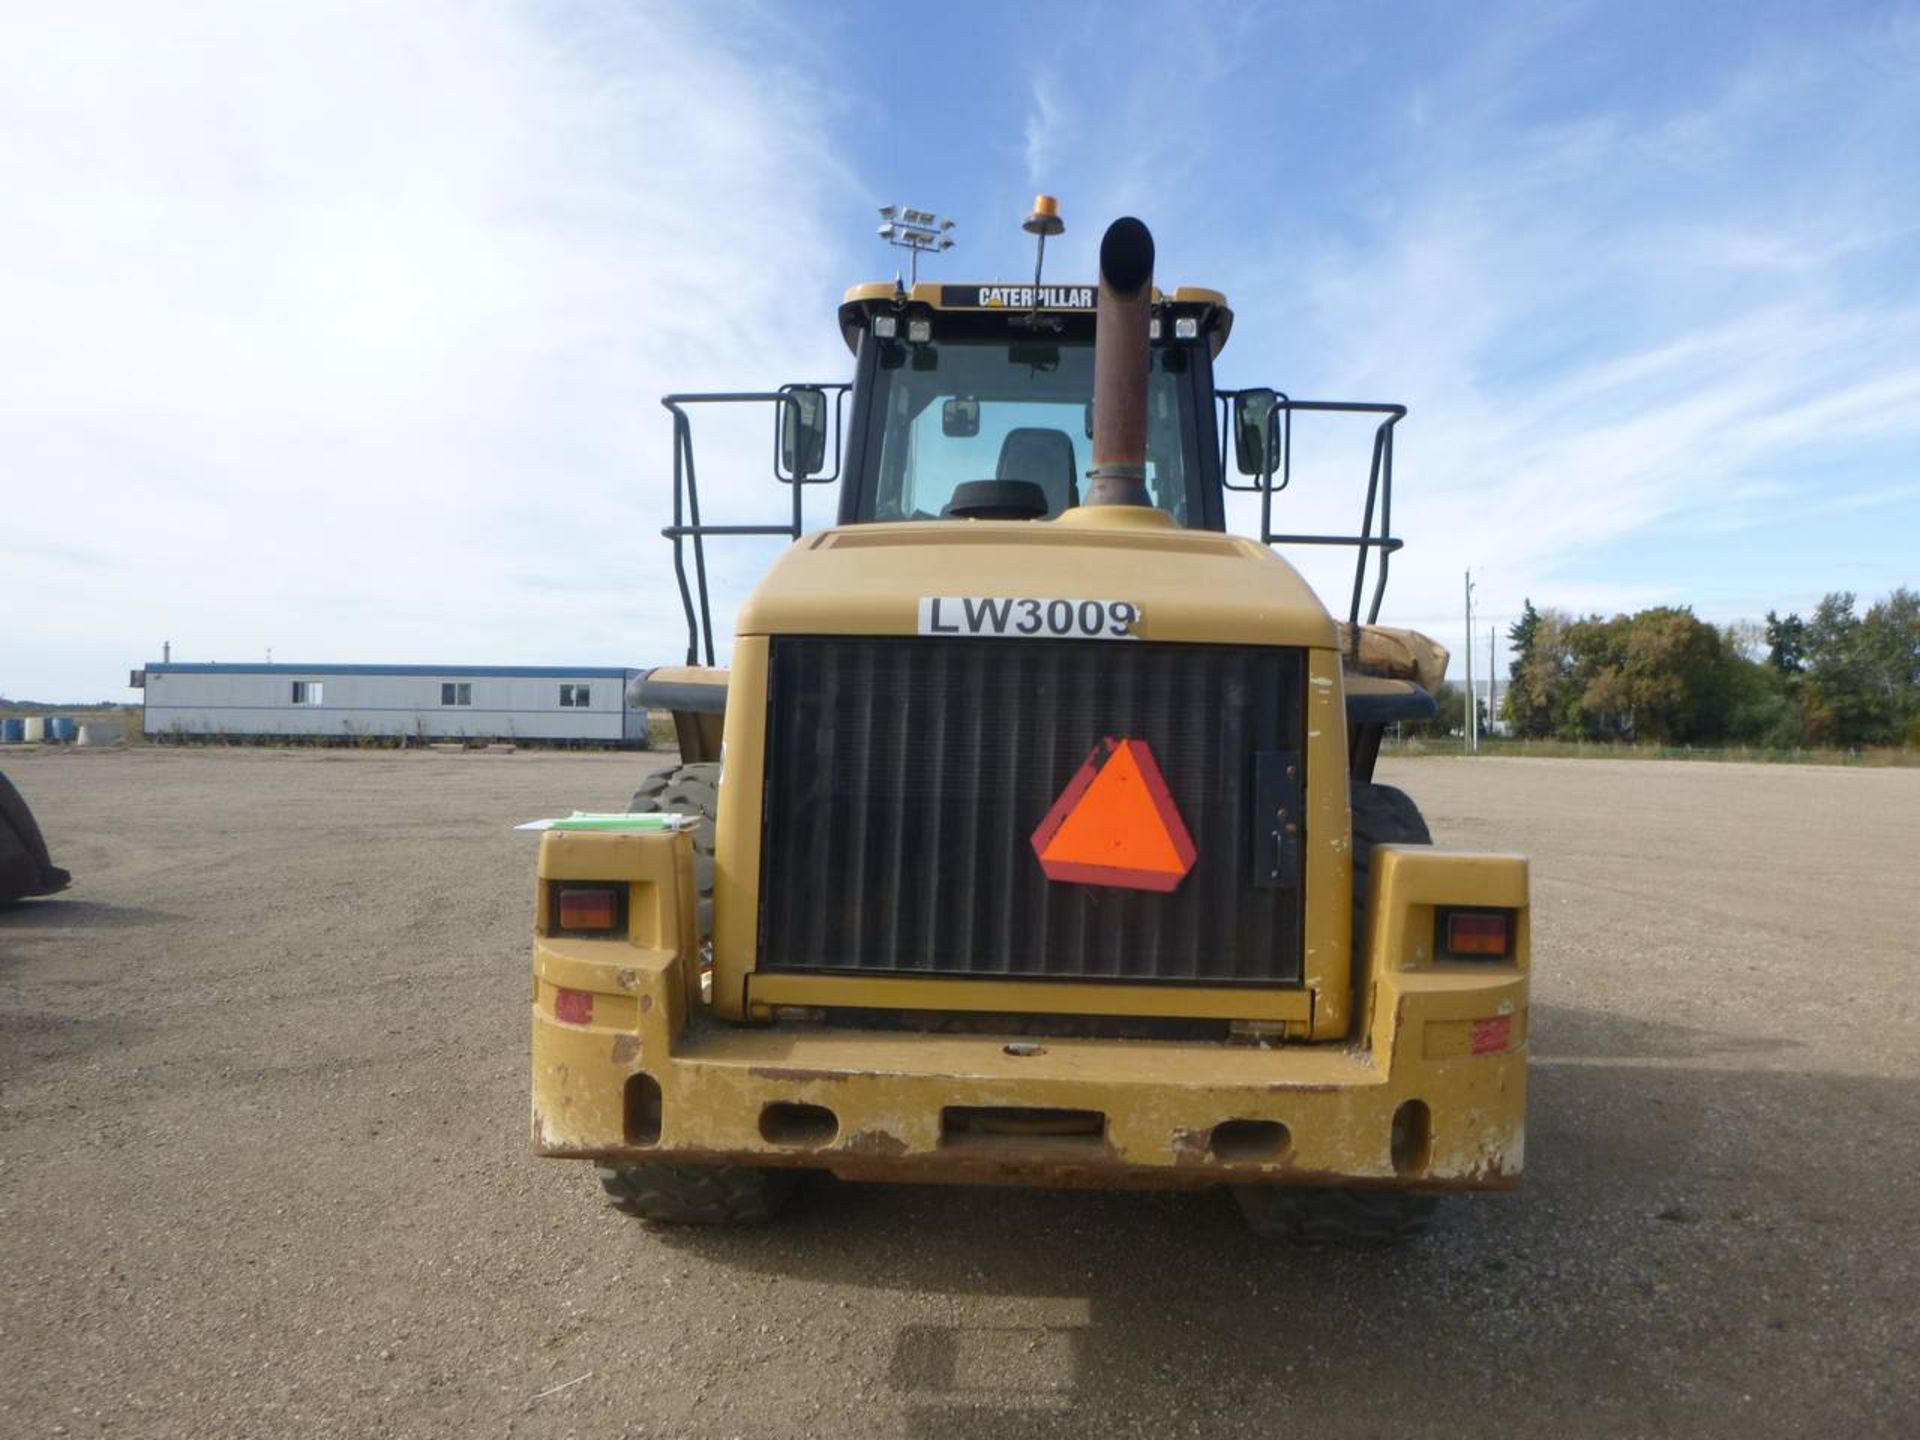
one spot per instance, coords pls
(960, 419)
(1252, 417)
(802, 423)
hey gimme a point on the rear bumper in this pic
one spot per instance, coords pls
(1434, 1098)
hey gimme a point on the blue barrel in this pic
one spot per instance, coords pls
(62, 727)
(12, 730)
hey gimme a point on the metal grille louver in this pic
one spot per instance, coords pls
(905, 776)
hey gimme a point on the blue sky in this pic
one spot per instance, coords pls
(337, 329)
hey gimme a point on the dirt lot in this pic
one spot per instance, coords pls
(264, 1169)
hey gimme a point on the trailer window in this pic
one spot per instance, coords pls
(307, 692)
(576, 697)
(457, 693)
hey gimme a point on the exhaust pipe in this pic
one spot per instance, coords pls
(1120, 359)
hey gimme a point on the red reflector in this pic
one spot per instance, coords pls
(1477, 932)
(573, 1006)
(594, 909)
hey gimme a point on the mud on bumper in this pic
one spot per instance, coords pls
(625, 1068)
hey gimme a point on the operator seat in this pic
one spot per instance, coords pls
(1044, 458)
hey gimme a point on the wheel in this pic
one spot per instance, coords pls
(1335, 1217)
(1382, 815)
(694, 1194)
(698, 1194)
(688, 790)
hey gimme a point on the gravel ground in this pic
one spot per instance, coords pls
(264, 1168)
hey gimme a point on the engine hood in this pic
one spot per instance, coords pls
(1186, 585)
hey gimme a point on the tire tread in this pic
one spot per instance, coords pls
(1337, 1217)
(697, 1194)
(687, 790)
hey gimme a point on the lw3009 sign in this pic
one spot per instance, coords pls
(1024, 617)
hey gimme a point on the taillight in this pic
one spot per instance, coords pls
(589, 909)
(1475, 934)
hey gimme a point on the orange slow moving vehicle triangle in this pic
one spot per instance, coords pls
(1116, 824)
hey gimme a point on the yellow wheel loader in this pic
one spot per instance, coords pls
(1031, 836)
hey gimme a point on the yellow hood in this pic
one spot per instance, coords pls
(1188, 585)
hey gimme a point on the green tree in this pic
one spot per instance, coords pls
(1786, 643)
(1596, 703)
(1539, 675)
(1889, 645)
(1754, 701)
(1836, 677)
(1841, 705)
(1671, 668)
(1657, 675)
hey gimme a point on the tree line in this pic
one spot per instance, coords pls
(1838, 678)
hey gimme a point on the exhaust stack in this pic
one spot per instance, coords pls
(1120, 360)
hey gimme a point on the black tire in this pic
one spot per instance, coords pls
(698, 1194)
(1335, 1217)
(687, 790)
(1382, 815)
(25, 867)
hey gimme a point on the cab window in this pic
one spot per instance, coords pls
(1020, 409)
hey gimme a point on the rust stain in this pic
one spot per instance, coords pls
(646, 1003)
(626, 1049)
(628, 978)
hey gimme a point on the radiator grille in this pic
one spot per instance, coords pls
(905, 776)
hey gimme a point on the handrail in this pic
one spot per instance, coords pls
(1379, 486)
(696, 600)
(686, 495)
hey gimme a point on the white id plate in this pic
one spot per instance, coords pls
(1021, 617)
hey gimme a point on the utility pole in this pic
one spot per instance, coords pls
(1491, 711)
(1473, 709)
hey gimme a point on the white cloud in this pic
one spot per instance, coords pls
(1601, 342)
(340, 329)
(1048, 129)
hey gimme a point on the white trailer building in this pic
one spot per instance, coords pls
(585, 705)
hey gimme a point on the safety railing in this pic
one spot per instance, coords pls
(1376, 523)
(689, 532)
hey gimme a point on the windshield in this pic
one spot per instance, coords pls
(1015, 409)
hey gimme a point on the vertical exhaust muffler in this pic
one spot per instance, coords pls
(1120, 361)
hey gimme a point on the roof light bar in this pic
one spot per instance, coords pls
(914, 230)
